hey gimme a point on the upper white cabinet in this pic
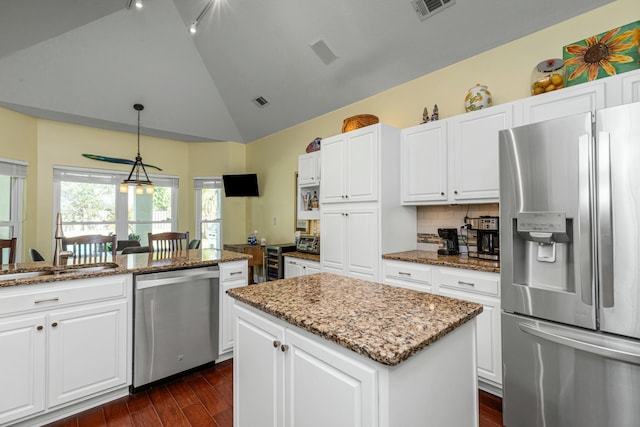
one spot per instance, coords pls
(630, 83)
(361, 214)
(454, 160)
(349, 166)
(309, 168)
(424, 163)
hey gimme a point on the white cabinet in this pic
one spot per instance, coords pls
(309, 168)
(424, 163)
(630, 83)
(63, 343)
(294, 267)
(361, 213)
(308, 185)
(232, 275)
(349, 166)
(407, 275)
(350, 244)
(482, 288)
(286, 376)
(454, 160)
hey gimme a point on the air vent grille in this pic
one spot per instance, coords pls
(427, 8)
(261, 102)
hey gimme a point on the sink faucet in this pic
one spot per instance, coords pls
(58, 253)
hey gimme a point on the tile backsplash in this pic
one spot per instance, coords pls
(430, 218)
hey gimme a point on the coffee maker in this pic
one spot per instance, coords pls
(487, 237)
(449, 238)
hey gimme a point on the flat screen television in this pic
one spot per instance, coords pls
(244, 185)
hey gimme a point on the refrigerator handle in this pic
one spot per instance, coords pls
(585, 223)
(585, 344)
(605, 238)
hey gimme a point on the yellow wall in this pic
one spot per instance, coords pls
(505, 70)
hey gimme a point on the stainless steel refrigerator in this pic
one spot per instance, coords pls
(570, 270)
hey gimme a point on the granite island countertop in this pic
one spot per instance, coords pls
(454, 261)
(123, 264)
(385, 323)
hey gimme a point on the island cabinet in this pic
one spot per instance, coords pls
(453, 160)
(285, 376)
(361, 214)
(232, 275)
(63, 344)
(295, 267)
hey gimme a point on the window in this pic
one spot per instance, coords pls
(209, 211)
(91, 203)
(12, 175)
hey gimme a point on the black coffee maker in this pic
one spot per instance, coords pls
(449, 238)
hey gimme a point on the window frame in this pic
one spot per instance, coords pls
(16, 170)
(200, 183)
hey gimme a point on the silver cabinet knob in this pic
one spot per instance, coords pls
(284, 347)
(276, 344)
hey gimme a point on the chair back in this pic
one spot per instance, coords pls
(11, 245)
(194, 244)
(135, 250)
(35, 255)
(122, 244)
(169, 241)
(91, 248)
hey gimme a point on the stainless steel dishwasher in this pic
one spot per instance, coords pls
(175, 322)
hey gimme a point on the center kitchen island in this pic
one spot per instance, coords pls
(329, 350)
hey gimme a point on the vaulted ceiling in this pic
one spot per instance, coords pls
(89, 61)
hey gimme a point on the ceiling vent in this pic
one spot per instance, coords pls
(427, 8)
(261, 102)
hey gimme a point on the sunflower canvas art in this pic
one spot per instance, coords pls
(613, 52)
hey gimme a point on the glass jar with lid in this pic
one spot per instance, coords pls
(547, 76)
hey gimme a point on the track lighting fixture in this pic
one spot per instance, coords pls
(138, 4)
(194, 25)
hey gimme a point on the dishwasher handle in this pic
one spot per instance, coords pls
(152, 283)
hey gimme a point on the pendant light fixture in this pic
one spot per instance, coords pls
(141, 182)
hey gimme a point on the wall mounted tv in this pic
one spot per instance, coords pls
(245, 185)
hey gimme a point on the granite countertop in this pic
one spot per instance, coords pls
(385, 323)
(123, 264)
(455, 261)
(303, 255)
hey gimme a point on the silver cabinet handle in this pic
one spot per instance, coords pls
(402, 273)
(40, 301)
(284, 347)
(276, 344)
(460, 282)
(233, 273)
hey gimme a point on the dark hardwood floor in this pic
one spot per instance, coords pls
(199, 399)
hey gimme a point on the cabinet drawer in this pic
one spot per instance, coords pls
(54, 294)
(233, 270)
(482, 283)
(407, 271)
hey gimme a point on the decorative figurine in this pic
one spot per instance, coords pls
(434, 116)
(425, 115)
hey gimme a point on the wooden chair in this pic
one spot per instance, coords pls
(135, 250)
(91, 248)
(123, 244)
(11, 245)
(169, 241)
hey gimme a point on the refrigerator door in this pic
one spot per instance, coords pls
(546, 267)
(618, 154)
(556, 375)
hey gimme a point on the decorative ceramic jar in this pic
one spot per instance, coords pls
(478, 98)
(547, 76)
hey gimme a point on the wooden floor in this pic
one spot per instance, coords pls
(198, 399)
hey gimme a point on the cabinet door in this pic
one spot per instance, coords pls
(332, 166)
(362, 164)
(475, 144)
(630, 87)
(309, 168)
(312, 268)
(292, 268)
(87, 350)
(225, 340)
(332, 235)
(258, 371)
(22, 366)
(562, 103)
(424, 163)
(363, 252)
(346, 388)
(488, 332)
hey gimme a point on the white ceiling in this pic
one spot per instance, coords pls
(89, 61)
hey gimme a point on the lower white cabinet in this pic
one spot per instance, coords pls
(407, 275)
(285, 376)
(232, 275)
(294, 267)
(63, 343)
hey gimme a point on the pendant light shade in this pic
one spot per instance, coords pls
(138, 176)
